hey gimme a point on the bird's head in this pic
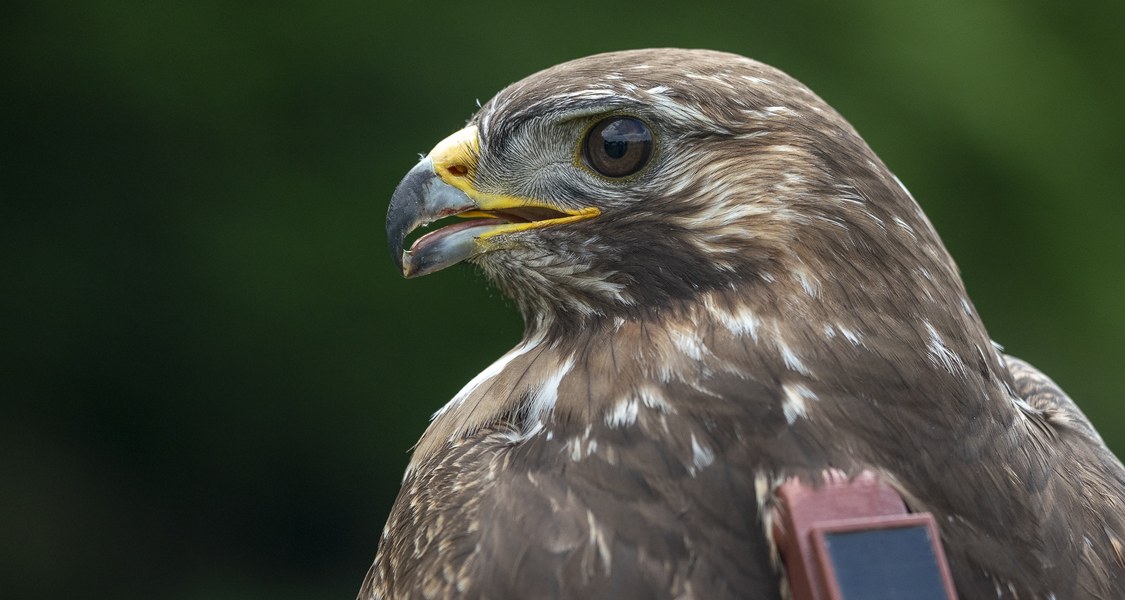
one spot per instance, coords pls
(632, 181)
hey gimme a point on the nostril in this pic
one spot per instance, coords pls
(458, 170)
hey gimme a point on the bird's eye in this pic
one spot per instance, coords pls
(618, 146)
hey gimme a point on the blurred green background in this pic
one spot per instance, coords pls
(212, 373)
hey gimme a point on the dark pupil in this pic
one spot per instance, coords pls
(616, 148)
(618, 134)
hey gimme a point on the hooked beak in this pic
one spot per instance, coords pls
(441, 186)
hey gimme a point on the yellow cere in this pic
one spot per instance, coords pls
(455, 158)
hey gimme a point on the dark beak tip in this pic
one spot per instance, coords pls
(397, 254)
(395, 237)
(420, 198)
(406, 209)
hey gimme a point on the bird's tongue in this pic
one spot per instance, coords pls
(434, 237)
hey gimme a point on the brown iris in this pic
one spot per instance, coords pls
(618, 146)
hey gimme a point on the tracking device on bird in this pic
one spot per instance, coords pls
(852, 539)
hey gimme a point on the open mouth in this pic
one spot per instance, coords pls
(423, 208)
(489, 222)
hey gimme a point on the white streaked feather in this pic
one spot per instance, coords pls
(940, 354)
(792, 361)
(491, 371)
(796, 401)
(701, 456)
(623, 414)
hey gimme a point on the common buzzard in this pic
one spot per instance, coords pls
(723, 288)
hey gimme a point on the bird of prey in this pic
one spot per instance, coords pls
(723, 288)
